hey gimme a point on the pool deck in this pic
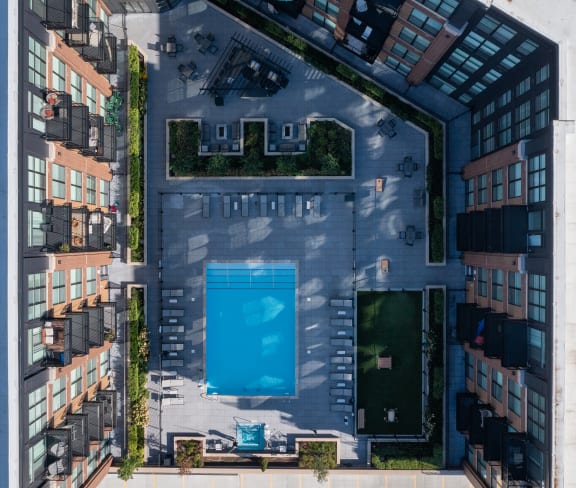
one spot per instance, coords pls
(337, 251)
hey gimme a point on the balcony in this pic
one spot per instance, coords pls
(95, 325)
(494, 430)
(110, 331)
(67, 15)
(80, 121)
(108, 399)
(479, 414)
(470, 323)
(498, 230)
(107, 150)
(58, 116)
(465, 402)
(108, 65)
(89, 42)
(70, 229)
(94, 410)
(64, 338)
(95, 137)
(65, 443)
(514, 461)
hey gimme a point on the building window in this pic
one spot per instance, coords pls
(496, 387)
(497, 284)
(104, 362)
(323, 21)
(76, 87)
(424, 22)
(537, 179)
(58, 287)
(35, 106)
(480, 45)
(488, 138)
(527, 47)
(102, 105)
(404, 53)
(409, 36)
(104, 193)
(38, 7)
(36, 235)
(509, 61)
(91, 280)
(481, 465)
(445, 8)
(92, 460)
(497, 185)
(36, 63)
(104, 17)
(482, 189)
(91, 98)
(536, 347)
(523, 87)
(36, 179)
(469, 192)
(91, 373)
(91, 189)
(36, 295)
(495, 30)
(535, 464)
(535, 229)
(325, 6)
(515, 180)
(58, 75)
(36, 348)
(104, 448)
(523, 127)
(514, 288)
(77, 476)
(537, 297)
(58, 181)
(494, 475)
(76, 382)
(482, 374)
(514, 397)
(92, 7)
(505, 129)
(543, 74)
(75, 283)
(469, 452)
(75, 185)
(58, 394)
(397, 65)
(505, 98)
(36, 411)
(536, 415)
(542, 110)
(482, 275)
(469, 366)
(37, 460)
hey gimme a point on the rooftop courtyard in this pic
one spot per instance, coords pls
(335, 231)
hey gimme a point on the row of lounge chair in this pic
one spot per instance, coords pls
(341, 361)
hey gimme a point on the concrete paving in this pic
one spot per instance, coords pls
(337, 253)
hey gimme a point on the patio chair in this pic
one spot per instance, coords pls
(198, 37)
(210, 37)
(213, 49)
(402, 234)
(380, 123)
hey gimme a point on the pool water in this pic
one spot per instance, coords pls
(250, 329)
(250, 437)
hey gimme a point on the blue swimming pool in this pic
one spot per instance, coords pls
(250, 329)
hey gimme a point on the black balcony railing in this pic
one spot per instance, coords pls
(108, 398)
(95, 325)
(94, 409)
(64, 15)
(59, 453)
(108, 64)
(58, 116)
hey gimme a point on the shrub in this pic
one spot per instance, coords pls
(438, 208)
(263, 464)
(134, 237)
(319, 457)
(189, 455)
(129, 464)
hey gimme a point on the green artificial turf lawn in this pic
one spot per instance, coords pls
(390, 324)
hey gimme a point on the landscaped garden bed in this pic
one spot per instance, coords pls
(188, 454)
(329, 65)
(319, 456)
(390, 326)
(136, 171)
(406, 455)
(138, 394)
(329, 153)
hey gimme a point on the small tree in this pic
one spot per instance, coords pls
(330, 166)
(129, 464)
(319, 457)
(218, 165)
(189, 455)
(263, 464)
